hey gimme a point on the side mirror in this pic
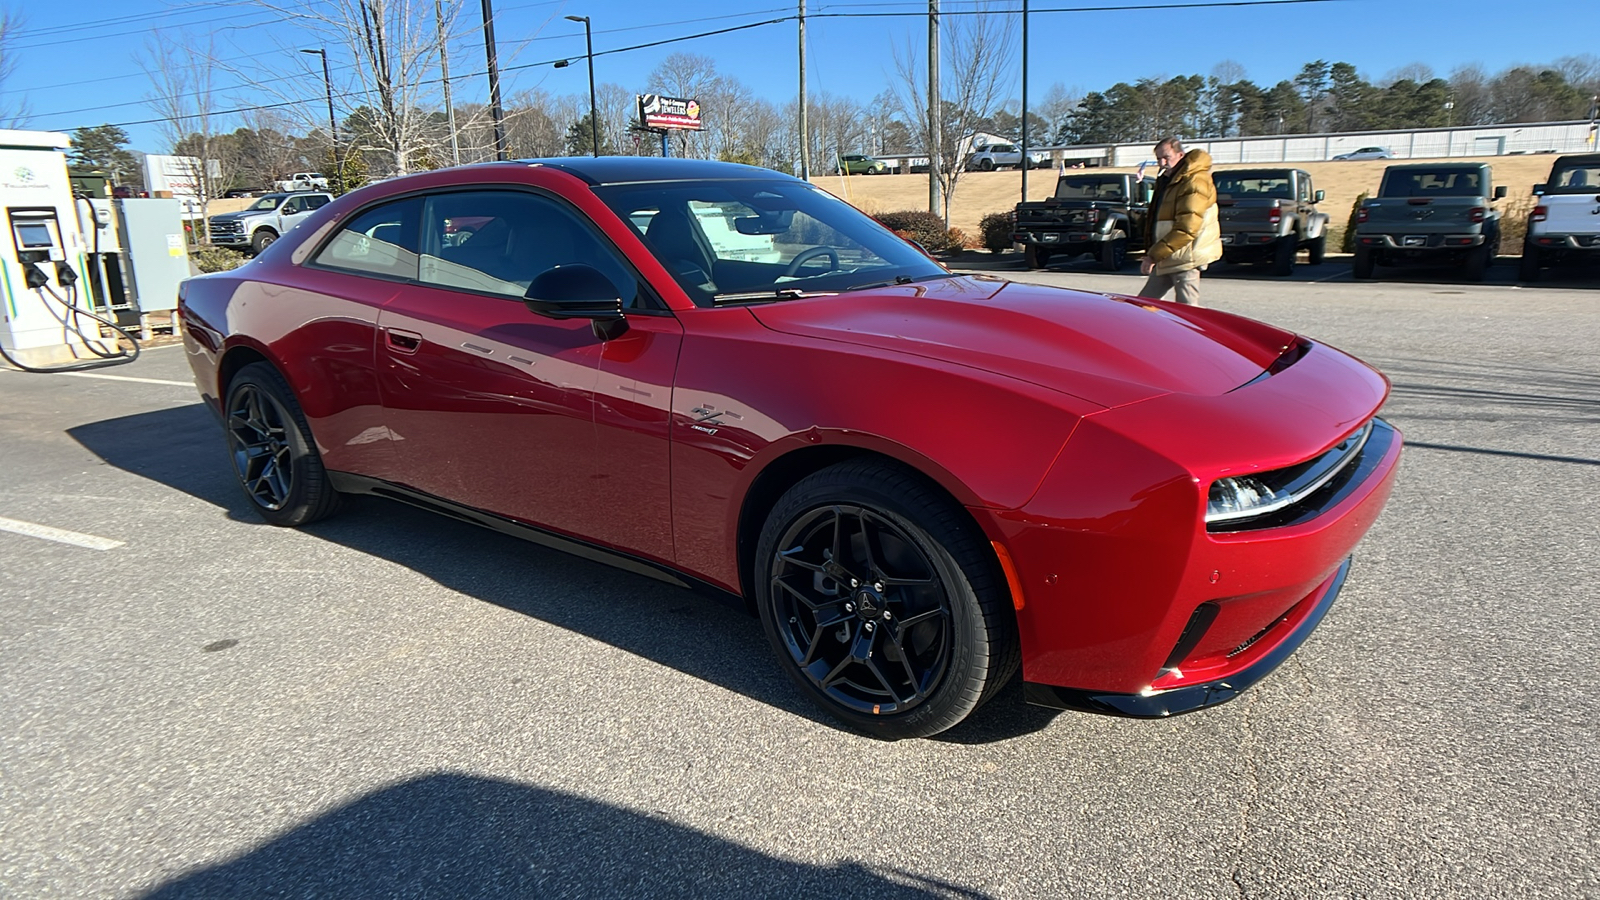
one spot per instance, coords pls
(1500, 192)
(1319, 196)
(576, 292)
(1539, 190)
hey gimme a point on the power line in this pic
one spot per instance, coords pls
(1210, 4)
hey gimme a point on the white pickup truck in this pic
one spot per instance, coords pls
(988, 157)
(302, 181)
(1565, 224)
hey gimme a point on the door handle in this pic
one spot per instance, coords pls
(403, 341)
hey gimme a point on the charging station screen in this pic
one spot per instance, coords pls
(33, 236)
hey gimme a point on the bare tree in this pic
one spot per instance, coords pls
(182, 74)
(977, 56)
(13, 113)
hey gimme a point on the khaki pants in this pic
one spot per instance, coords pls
(1186, 283)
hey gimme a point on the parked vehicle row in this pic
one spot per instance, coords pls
(1431, 213)
(1267, 216)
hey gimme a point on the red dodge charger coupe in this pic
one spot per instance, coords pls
(726, 378)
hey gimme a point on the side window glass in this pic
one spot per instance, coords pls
(380, 241)
(291, 207)
(316, 202)
(497, 242)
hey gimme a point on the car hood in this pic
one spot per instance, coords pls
(236, 216)
(1105, 349)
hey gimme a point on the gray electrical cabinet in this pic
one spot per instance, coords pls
(155, 250)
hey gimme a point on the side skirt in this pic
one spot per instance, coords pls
(347, 483)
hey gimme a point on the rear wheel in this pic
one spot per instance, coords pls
(1034, 256)
(1478, 261)
(273, 455)
(1364, 263)
(1113, 254)
(1317, 249)
(985, 165)
(883, 602)
(1531, 263)
(1283, 254)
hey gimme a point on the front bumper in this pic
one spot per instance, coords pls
(1295, 626)
(1076, 241)
(1129, 602)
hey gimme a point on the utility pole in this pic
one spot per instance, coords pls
(805, 134)
(333, 125)
(594, 109)
(495, 109)
(444, 70)
(935, 126)
(1024, 101)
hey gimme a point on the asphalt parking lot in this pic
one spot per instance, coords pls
(393, 704)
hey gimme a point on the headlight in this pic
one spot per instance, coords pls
(1246, 496)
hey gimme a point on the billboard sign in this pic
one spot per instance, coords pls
(669, 113)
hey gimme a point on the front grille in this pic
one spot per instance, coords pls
(222, 228)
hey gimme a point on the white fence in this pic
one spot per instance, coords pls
(1428, 143)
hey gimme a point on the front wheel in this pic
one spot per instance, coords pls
(273, 455)
(262, 239)
(884, 604)
(986, 165)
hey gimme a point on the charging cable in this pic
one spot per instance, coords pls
(39, 281)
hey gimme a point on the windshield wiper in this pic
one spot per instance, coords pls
(898, 280)
(779, 294)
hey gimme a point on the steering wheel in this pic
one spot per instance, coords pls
(805, 256)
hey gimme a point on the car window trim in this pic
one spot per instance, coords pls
(658, 307)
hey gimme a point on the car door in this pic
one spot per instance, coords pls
(494, 404)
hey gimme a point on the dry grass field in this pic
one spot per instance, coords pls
(981, 193)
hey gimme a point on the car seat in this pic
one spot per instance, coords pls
(680, 246)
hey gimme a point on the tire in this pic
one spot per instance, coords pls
(986, 165)
(1283, 252)
(1113, 254)
(1364, 264)
(1035, 257)
(262, 239)
(1317, 249)
(1528, 270)
(848, 555)
(1477, 263)
(274, 458)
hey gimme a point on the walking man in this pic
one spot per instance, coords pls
(1181, 234)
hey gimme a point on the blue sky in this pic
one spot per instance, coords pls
(77, 64)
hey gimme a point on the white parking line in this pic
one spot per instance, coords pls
(60, 536)
(129, 378)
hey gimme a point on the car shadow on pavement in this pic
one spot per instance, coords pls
(450, 835)
(182, 448)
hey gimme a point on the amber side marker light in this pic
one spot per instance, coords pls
(1010, 568)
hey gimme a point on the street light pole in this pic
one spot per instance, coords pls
(594, 115)
(333, 127)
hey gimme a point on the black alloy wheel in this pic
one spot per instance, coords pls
(882, 604)
(273, 457)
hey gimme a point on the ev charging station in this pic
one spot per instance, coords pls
(68, 264)
(42, 258)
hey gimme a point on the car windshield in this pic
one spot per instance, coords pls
(1432, 183)
(733, 241)
(267, 203)
(1093, 188)
(1251, 185)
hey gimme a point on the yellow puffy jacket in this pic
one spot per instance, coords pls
(1182, 231)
